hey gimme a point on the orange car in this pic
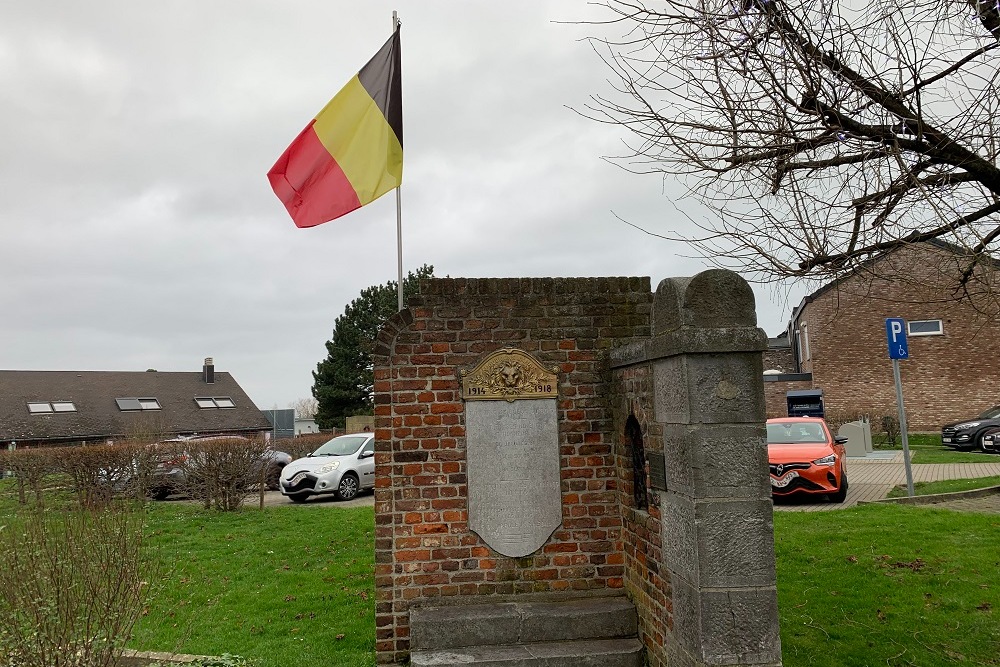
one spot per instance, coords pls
(804, 457)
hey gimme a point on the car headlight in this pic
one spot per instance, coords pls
(826, 460)
(329, 467)
(962, 427)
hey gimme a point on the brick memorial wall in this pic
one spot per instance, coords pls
(660, 482)
(424, 549)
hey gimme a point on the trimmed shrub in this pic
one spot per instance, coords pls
(303, 445)
(30, 467)
(223, 471)
(98, 472)
(71, 587)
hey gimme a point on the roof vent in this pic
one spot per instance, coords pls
(208, 371)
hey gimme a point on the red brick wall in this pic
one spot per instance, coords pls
(424, 550)
(780, 359)
(775, 399)
(647, 586)
(946, 378)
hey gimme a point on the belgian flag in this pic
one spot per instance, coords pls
(351, 153)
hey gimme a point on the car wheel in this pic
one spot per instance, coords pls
(159, 492)
(841, 493)
(299, 498)
(348, 487)
(272, 476)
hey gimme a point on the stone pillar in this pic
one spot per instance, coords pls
(718, 536)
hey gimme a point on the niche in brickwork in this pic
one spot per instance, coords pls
(633, 437)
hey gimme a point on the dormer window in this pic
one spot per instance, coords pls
(211, 402)
(48, 407)
(137, 404)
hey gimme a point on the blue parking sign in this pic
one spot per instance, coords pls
(895, 334)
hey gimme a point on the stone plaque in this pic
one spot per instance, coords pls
(657, 471)
(512, 459)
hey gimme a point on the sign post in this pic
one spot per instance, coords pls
(895, 334)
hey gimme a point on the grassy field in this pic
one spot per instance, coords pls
(945, 486)
(286, 585)
(927, 448)
(873, 585)
(888, 585)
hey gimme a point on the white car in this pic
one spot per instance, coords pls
(344, 466)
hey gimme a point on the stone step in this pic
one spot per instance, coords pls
(580, 653)
(507, 623)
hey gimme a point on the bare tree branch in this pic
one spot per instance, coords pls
(823, 133)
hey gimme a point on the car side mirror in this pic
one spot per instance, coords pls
(840, 439)
(366, 455)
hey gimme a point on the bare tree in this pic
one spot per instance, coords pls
(824, 134)
(305, 408)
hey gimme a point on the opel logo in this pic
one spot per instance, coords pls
(781, 469)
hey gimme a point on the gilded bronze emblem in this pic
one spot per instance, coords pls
(509, 374)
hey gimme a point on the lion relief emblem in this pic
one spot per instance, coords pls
(509, 377)
(509, 374)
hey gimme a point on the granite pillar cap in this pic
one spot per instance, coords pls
(713, 299)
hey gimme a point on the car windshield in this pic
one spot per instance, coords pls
(342, 446)
(992, 413)
(788, 433)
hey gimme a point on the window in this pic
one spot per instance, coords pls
(46, 407)
(206, 402)
(633, 439)
(925, 328)
(132, 404)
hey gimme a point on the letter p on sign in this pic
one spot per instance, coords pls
(895, 334)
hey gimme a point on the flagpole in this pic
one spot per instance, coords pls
(399, 215)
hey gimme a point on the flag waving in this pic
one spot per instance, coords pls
(351, 153)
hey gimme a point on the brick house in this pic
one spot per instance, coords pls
(836, 342)
(76, 407)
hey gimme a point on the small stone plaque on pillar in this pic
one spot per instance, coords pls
(512, 452)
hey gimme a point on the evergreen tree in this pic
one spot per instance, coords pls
(343, 383)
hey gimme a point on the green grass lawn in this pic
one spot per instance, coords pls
(927, 448)
(945, 486)
(283, 585)
(873, 585)
(888, 585)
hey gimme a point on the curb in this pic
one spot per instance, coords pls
(935, 498)
(132, 658)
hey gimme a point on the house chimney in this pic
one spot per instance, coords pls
(208, 371)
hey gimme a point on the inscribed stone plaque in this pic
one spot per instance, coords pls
(657, 471)
(512, 458)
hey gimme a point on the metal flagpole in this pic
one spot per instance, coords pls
(399, 216)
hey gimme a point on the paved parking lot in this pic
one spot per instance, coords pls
(274, 498)
(873, 478)
(363, 499)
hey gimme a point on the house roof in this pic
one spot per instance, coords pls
(97, 414)
(937, 243)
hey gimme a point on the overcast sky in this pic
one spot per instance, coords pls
(138, 227)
